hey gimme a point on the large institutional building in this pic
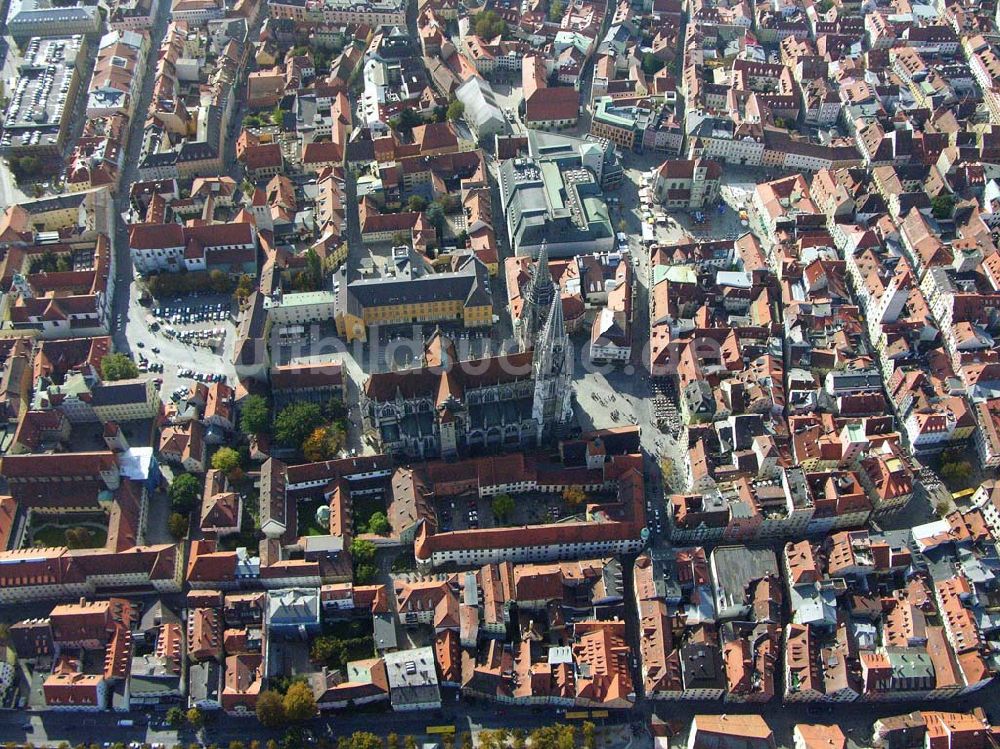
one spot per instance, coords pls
(449, 407)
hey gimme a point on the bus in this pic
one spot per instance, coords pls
(598, 713)
(580, 715)
(962, 494)
(440, 730)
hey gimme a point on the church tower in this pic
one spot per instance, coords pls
(537, 300)
(551, 365)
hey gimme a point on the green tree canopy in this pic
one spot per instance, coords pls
(175, 717)
(651, 64)
(184, 492)
(362, 551)
(336, 409)
(489, 25)
(378, 524)
(177, 524)
(364, 574)
(118, 367)
(455, 110)
(255, 415)
(406, 121)
(226, 459)
(435, 214)
(296, 422)
(942, 205)
(503, 506)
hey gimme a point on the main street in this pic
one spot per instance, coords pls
(75, 728)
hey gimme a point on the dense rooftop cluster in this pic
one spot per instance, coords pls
(591, 356)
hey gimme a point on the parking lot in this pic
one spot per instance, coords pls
(184, 335)
(472, 511)
(193, 312)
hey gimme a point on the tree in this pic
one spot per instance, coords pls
(296, 422)
(27, 166)
(455, 111)
(409, 742)
(557, 736)
(118, 367)
(651, 64)
(270, 709)
(503, 506)
(589, 738)
(177, 524)
(184, 493)
(365, 740)
(435, 215)
(175, 717)
(416, 203)
(312, 277)
(299, 702)
(271, 744)
(362, 550)
(462, 239)
(329, 650)
(392, 741)
(378, 524)
(323, 443)
(237, 745)
(255, 415)
(277, 115)
(244, 287)
(942, 205)
(957, 472)
(942, 508)
(573, 495)
(336, 409)
(226, 459)
(489, 25)
(406, 121)
(78, 538)
(195, 718)
(517, 738)
(219, 282)
(555, 10)
(4, 632)
(365, 573)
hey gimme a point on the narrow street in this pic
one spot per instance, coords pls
(126, 303)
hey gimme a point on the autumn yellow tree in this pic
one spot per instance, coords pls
(573, 495)
(323, 443)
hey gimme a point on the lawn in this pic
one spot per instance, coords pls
(307, 518)
(347, 629)
(404, 563)
(363, 509)
(54, 534)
